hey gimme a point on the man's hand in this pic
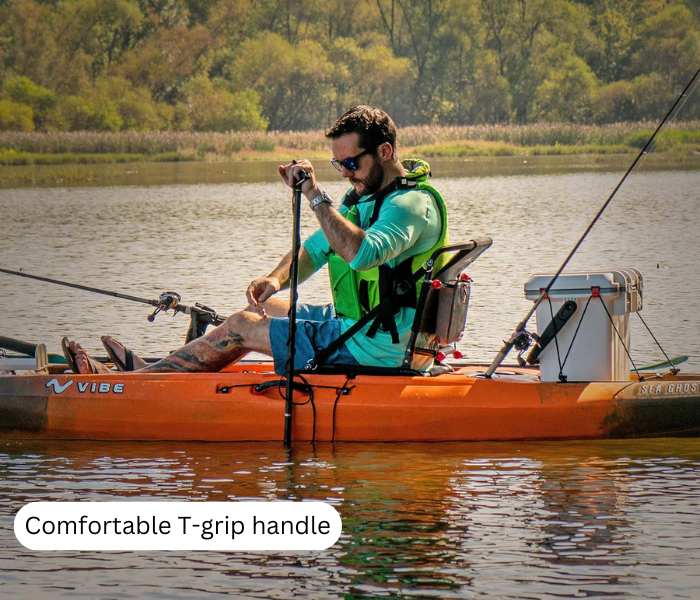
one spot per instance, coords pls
(295, 171)
(260, 290)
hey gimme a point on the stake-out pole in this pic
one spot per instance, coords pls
(293, 296)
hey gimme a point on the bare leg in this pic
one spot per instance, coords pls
(241, 333)
(273, 308)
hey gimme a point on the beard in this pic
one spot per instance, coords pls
(372, 183)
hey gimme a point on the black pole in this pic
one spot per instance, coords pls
(507, 346)
(293, 296)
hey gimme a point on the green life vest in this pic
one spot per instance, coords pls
(355, 293)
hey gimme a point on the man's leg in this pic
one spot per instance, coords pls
(241, 333)
(274, 307)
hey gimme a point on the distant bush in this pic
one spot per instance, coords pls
(85, 114)
(23, 90)
(15, 116)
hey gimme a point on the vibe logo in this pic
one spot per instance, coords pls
(57, 387)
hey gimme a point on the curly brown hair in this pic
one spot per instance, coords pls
(372, 124)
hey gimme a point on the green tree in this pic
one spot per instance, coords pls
(616, 23)
(370, 75)
(671, 45)
(213, 108)
(24, 91)
(521, 33)
(100, 29)
(565, 94)
(293, 82)
(168, 59)
(15, 116)
(77, 113)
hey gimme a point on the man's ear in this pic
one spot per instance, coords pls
(386, 151)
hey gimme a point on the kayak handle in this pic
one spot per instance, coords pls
(298, 386)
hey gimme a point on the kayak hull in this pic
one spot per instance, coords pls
(460, 406)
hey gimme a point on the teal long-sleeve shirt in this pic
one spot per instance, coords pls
(408, 224)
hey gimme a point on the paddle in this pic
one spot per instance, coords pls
(676, 360)
(293, 296)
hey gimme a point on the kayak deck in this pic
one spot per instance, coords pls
(244, 404)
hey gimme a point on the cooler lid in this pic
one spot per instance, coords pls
(574, 285)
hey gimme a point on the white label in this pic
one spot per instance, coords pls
(178, 525)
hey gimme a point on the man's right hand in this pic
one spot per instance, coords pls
(260, 290)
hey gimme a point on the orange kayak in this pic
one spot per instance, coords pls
(245, 403)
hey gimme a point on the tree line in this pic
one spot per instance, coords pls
(252, 65)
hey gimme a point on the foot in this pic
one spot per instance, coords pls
(120, 354)
(83, 363)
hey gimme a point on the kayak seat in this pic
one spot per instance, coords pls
(435, 313)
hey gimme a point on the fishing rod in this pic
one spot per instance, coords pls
(200, 315)
(517, 337)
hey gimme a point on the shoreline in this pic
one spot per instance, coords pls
(264, 169)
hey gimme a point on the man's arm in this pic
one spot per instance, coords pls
(261, 289)
(343, 236)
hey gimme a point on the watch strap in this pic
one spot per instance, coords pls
(320, 199)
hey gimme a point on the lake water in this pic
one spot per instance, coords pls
(511, 520)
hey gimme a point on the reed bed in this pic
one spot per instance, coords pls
(231, 144)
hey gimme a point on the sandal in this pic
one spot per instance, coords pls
(127, 364)
(70, 358)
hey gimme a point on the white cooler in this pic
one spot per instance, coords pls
(597, 354)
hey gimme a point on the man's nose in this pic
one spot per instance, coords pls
(345, 172)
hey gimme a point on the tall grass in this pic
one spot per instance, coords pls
(228, 144)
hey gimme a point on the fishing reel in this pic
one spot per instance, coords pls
(521, 341)
(166, 301)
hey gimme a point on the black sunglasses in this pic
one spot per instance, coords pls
(351, 163)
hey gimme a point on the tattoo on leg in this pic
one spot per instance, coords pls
(231, 339)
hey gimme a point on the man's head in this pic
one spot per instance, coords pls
(364, 148)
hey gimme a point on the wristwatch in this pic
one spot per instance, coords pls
(322, 197)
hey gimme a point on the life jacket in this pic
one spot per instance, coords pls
(355, 293)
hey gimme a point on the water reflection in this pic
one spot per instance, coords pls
(464, 520)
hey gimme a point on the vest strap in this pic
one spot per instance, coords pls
(378, 314)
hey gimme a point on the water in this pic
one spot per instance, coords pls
(546, 520)
(509, 520)
(207, 242)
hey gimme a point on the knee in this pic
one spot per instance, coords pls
(240, 321)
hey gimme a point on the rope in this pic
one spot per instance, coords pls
(636, 370)
(673, 367)
(562, 378)
(573, 339)
(341, 392)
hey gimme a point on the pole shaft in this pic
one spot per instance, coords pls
(293, 296)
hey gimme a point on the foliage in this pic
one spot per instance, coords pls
(15, 116)
(148, 143)
(244, 65)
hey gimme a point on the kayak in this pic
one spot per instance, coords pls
(580, 388)
(246, 403)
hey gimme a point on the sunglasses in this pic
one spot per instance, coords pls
(351, 163)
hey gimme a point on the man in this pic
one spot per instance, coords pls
(370, 246)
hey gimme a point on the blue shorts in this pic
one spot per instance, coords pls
(317, 326)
